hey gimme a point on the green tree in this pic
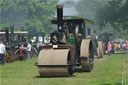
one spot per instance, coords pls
(116, 14)
(109, 15)
(33, 15)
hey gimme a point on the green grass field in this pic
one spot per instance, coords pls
(107, 71)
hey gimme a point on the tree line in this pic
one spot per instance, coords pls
(35, 15)
(31, 15)
(115, 14)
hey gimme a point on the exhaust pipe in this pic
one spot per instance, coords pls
(7, 35)
(60, 18)
(12, 33)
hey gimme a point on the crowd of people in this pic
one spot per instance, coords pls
(109, 47)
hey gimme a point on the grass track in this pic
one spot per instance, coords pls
(107, 71)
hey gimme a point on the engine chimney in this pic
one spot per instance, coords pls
(7, 34)
(60, 18)
(12, 33)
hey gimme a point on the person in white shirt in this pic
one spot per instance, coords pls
(2, 52)
(29, 50)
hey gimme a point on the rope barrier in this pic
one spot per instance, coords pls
(124, 71)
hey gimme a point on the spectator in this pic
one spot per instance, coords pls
(109, 48)
(2, 52)
(37, 47)
(124, 45)
(127, 47)
(29, 50)
(114, 47)
(23, 45)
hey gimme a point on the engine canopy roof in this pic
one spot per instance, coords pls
(75, 19)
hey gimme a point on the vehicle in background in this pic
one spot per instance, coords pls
(13, 41)
(106, 37)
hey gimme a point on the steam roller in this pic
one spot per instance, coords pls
(69, 47)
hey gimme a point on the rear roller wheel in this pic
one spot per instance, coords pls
(87, 55)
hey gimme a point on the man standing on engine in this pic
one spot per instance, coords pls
(2, 52)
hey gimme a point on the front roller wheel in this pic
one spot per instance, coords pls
(55, 63)
(87, 55)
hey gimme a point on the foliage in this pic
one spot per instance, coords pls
(104, 12)
(29, 14)
(115, 13)
(117, 33)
